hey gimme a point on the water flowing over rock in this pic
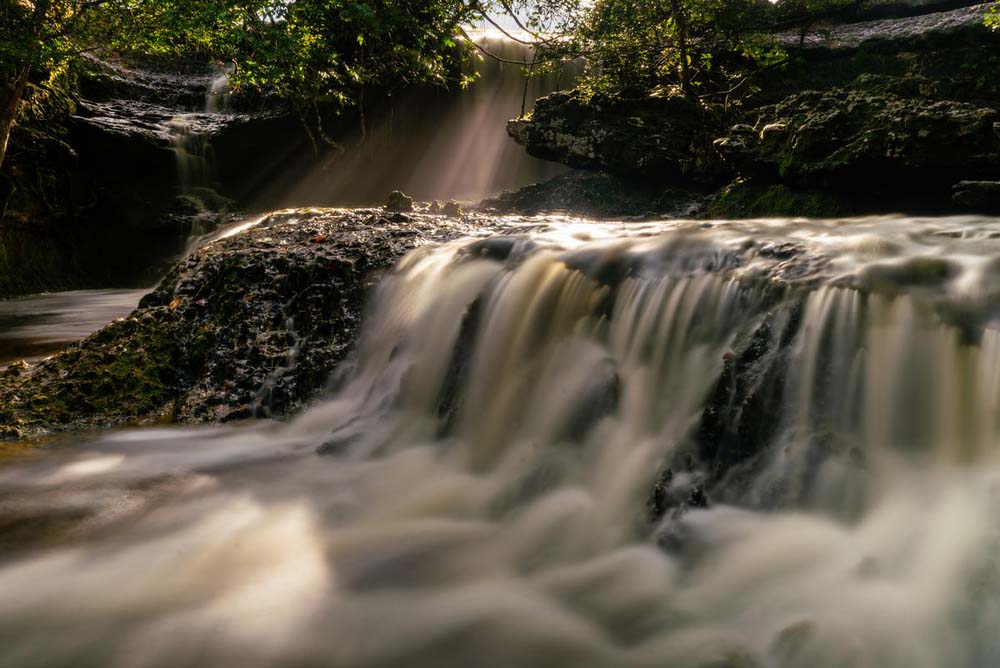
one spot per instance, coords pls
(561, 443)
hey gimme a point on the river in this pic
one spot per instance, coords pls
(488, 486)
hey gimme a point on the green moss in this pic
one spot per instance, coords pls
(744, 199)
(126, 372)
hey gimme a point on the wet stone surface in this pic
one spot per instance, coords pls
(249, 326)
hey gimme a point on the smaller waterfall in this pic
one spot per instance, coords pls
(193, 152)
(218, 94)
(190, 134)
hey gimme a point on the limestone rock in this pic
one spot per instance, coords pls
(399, 202)
(861, 138)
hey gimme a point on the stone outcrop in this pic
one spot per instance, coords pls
(597, 194)
(886, 9)
(94, 173)
(982, 196)
(867, 136)
(649, 136)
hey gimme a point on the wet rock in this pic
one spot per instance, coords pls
(452, 209)
(250, 326)
(870, 138)
(746, 199)
(651, 135)
(737, 423)
(597, 194)
(977, 196)
(399, 202)
(675, 494)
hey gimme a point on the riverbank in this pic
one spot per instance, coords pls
(891, 115)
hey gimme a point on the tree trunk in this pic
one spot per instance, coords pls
(13, 90)
(10, 99)
(680, 21)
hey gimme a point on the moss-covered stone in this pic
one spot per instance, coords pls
(880, 140)
(745, 199)
(248, 326)
(886, 115)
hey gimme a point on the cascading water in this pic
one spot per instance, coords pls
(190, 134)
(193, 153)
(218, 95)
(752, 444)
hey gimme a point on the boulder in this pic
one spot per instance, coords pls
(977, 196)
(597, 194)
(650, 136)
(247, 326)
(399, 202)
(452, 209)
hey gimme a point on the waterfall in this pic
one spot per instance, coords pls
(192, 151)
(740, 444)
(190, 134)
(217, 96)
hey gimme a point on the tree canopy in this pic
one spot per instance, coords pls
(699, 47)
(323, 54)
(310, 53)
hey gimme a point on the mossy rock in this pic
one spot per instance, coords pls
(744, 199)
(251, 326)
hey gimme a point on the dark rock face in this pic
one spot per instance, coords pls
(981, 196)
(743, 198)
(649, 136)
(598, 195)
(248, 326)
(852, 139)
(92, 194)
(399, 202)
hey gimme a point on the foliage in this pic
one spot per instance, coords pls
(698, 47)
(311, 53)
(993, 16)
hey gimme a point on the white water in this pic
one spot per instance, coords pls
(492, 447)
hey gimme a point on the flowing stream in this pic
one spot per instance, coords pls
(728, 445)
(37, 325)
